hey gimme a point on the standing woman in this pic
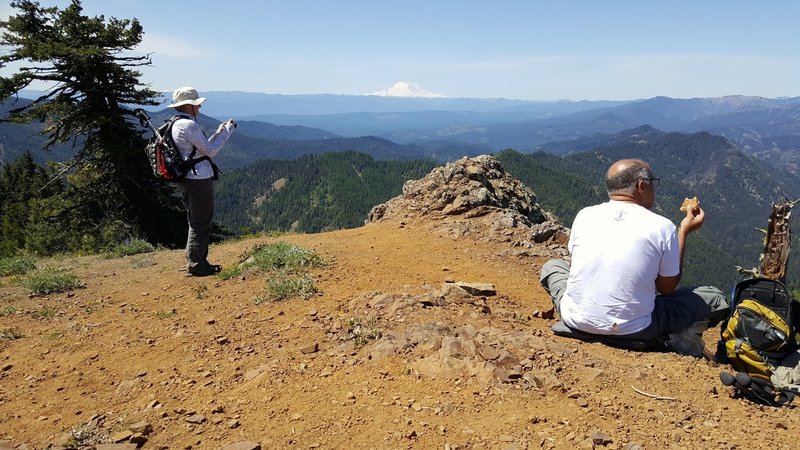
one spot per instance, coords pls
(197, 187)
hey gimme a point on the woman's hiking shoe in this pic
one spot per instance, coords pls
(204, 271)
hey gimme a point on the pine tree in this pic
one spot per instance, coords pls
(22, 185)
(93, 80)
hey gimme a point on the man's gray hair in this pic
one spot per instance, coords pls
(624, 182)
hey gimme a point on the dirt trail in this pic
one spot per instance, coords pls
(204, 366)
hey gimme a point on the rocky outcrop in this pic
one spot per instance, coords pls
(474, 196)
(418, 327)
(474, 186)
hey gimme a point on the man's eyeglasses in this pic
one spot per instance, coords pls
(654, 181)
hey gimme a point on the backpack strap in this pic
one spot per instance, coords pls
(191, 160)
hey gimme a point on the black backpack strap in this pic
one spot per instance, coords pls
(191, 160)
(214, 167)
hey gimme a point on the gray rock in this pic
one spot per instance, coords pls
(310, 348)
(590, 374)
(452, 293)
(121, 436)
(477, 289)
(142, 427)
(488, 353)
(244, 445)
(382, 349)
(253, 373)
(196, 418)
(506, 376)
(600, 438)
(138, 438)
(381, 301)
(127, 388)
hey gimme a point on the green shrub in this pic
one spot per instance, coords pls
(49, 281)
(275, 256)
(132, 247)
(165, 313)
(45, 313)
(54, 334)
(283, 286)
(361, 332)
(7, 311)
(86, 435)
(230, 272)
(201, 291)
(9, 334)
(141, 261)
(16, 266)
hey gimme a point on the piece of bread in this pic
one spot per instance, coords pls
(693, 203)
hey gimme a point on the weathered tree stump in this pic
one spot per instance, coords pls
(778, 241)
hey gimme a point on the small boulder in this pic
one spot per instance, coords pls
(244, 445)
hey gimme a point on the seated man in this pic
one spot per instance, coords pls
(626, 266)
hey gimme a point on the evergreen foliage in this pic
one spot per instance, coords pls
(560, 186)
(16, 266)
(109, 192)
(243, 149)
(132, 247)
(312, 193)
(23, 187)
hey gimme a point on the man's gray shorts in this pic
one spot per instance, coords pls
(672, 313)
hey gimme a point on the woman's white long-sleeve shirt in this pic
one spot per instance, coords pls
(187, 133)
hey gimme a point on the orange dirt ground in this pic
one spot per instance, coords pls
(151, 345)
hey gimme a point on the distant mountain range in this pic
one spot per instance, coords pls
(247, 105)
(406, 89)
(286, 126)
(766, 128)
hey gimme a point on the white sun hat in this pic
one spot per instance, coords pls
(185, 96)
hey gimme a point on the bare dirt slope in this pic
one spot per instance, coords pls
(117, 349)
(143, 353)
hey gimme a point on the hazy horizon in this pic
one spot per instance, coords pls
(525, 50)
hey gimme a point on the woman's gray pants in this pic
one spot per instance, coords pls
(198, 197)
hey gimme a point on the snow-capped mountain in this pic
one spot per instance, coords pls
(405, 89)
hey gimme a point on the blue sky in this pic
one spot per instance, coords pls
(533, 50)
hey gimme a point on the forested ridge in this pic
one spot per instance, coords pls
(311, 193)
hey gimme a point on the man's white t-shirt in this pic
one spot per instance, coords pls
(618, 249)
